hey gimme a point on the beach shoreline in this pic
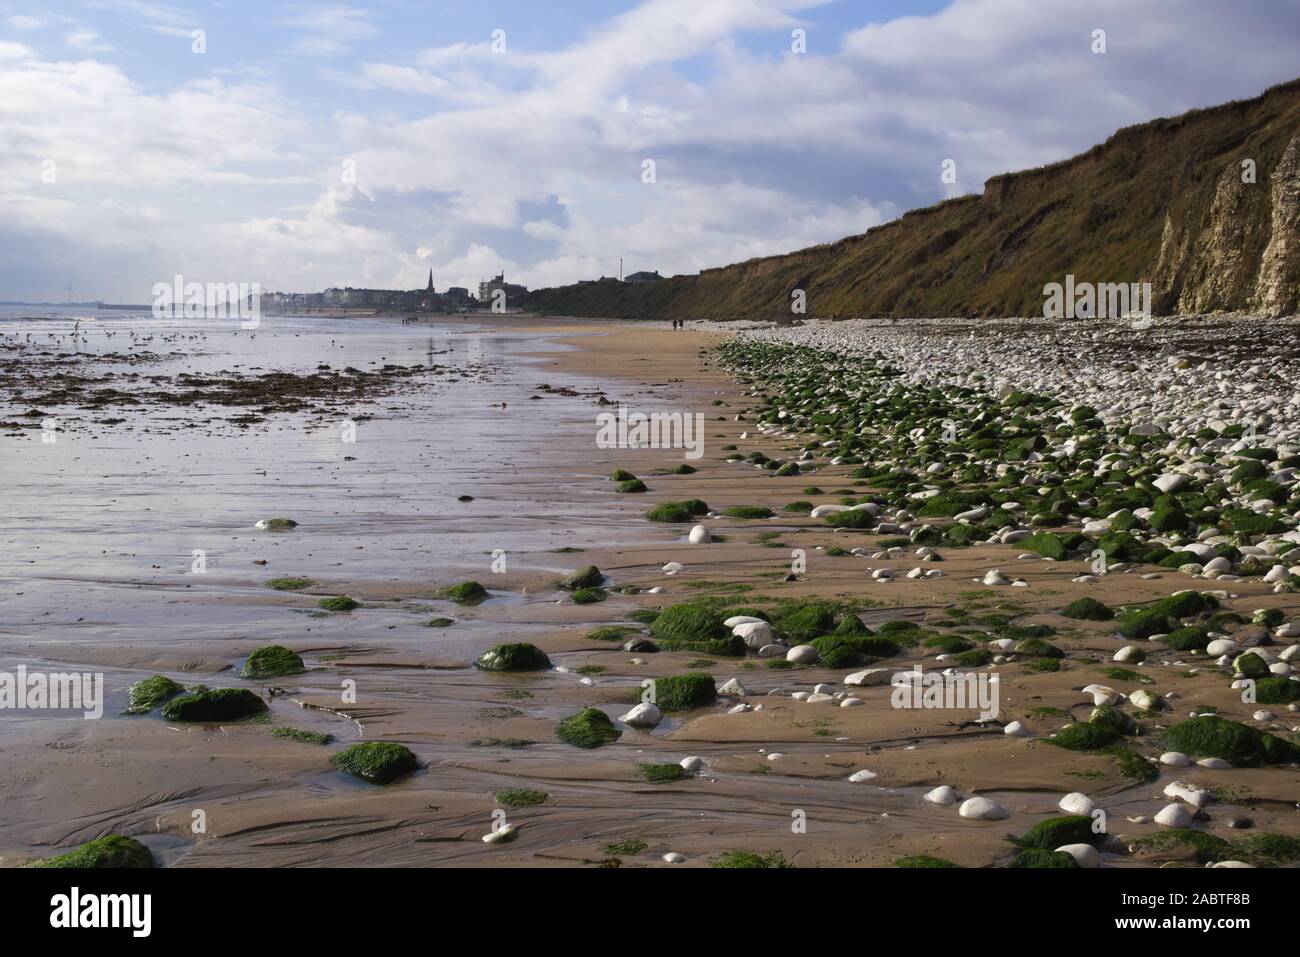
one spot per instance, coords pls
(269, 802)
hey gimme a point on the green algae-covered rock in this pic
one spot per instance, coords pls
(521, 797)
(747, 511)
(1276, 689)
(290, 584)
(150, 693)
(677, 512)
(804, 621)
(1207, 847)
(1191, 638)
(662, 773)
(378, 762)
(589, 596)
(1046, 544)
(518, 656)
(272, 661)
(691, 627)
(1087, 609)
(339, 603)
(860, 518)
(112, 851)
(1210, 736)
(1269, 849)
(631, 485)
(852, 626)
(1110, 717)
(217, 704)
(466, 593)
(587, 577)
(1038, 648)
(681, 692)
(589, 728)
(1058, 831)
(1084, 736)
(1250, 665)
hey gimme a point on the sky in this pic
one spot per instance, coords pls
(307, 145)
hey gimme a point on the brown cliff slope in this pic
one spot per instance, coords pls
(1163, 202)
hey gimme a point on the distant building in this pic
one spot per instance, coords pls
(643, 277)
(488, 288)
(458, 297)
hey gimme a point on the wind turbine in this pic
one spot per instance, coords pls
(69, 294)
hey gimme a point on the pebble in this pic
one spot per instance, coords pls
(857, 777)
(1085, 855)
(1214, 764)
(733, 688)
(643, 715)
(672, 857)
(755, 634)
(983, 809)
(1195, 796)
(1174, 815)
(943, 795)
(869, 678)
(1076, 802)
(802, 655)
(502, 834)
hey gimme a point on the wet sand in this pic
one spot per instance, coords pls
(372, 530)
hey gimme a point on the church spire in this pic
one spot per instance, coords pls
(430, 288)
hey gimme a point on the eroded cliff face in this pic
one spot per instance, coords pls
(1202, 266)
(1277, 289)
(1243, 253)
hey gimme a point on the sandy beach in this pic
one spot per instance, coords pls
(507, 415)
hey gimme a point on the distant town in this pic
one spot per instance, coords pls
(455, 299)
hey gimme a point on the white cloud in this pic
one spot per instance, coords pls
(88, 41)
(331, 30)
(24, 22)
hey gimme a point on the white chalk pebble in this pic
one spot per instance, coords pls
(1076, 802)
(502, 834)
(1174, 815)
(1085, 855)
(857, 777)
(943, 794)
(982, 809)
(672, 857)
